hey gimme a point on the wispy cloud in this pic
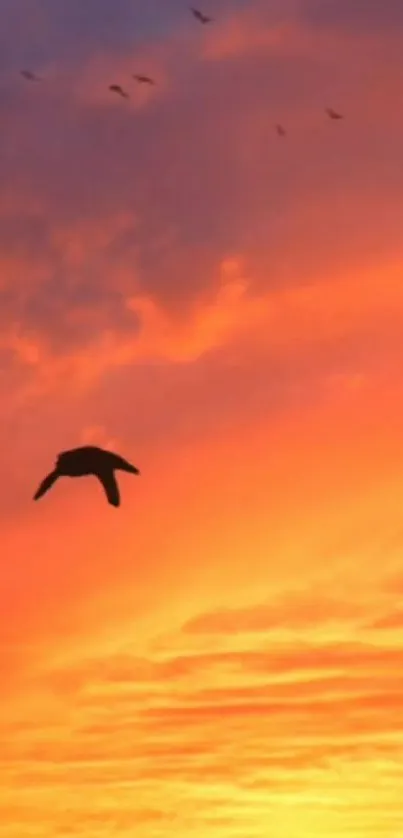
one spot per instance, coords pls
(214, 727)
(223, 306)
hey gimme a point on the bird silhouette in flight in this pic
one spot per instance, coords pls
(280, 130)
(30, 76)
(89, 460)
(333, 114)
(116, 88)
(143, 79)
(200, 16)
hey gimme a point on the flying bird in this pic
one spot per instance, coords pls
(200, 16)
(333, 114)
(30, 76)
(116, 88)
(88, 460)
(280, 130)
(144, 79)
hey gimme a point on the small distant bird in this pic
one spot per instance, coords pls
(333, 114)
(144, 79)
(280, 130)
(30, 76)
(200, 16)
(116, 88)
(89, 460)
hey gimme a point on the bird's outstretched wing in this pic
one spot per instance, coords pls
(30, 76)
(108, 481)
(333, 114)
(200, 15)
(144, 79)
(116, 88)
(46, 484)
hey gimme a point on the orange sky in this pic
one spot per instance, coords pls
(222, 655)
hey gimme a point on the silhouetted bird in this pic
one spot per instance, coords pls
(89, 460)
(280, 130)
(200, 16)
(116, 88)
(144, 79)
(333, 114)
(30, 76)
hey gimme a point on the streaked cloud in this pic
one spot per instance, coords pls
(224, 307)
(202, 728)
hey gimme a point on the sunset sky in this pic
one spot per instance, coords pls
(222, 656)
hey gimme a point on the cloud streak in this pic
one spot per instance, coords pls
(224, 308)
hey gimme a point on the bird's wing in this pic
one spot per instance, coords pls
(108, 481)
(46, 484)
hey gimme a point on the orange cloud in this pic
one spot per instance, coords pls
(222, 654)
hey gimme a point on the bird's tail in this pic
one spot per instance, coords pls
(123, 465)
